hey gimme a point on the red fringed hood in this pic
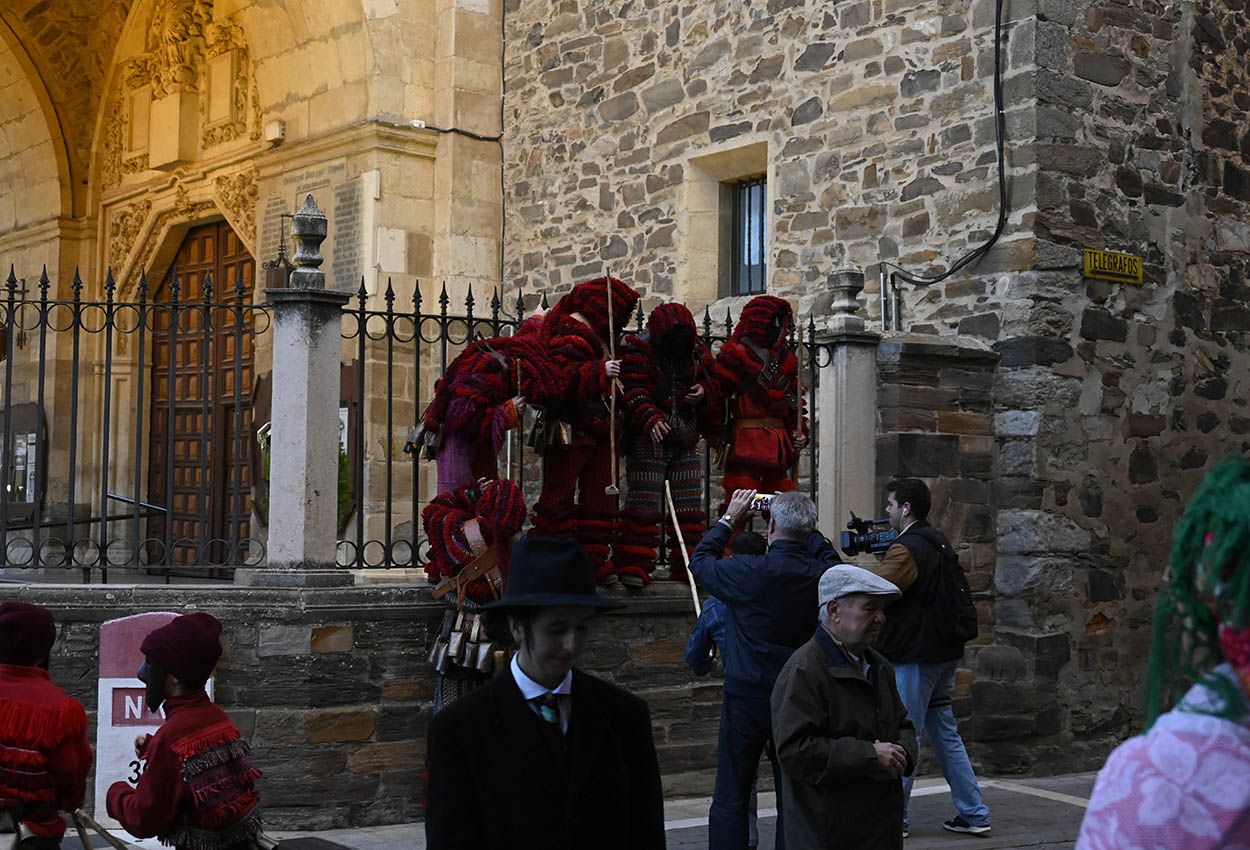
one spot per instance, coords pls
(666, 317)
(589, 299)
(756, 315)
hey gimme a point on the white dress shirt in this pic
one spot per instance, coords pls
(531, 690)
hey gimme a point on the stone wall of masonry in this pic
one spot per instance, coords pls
(332, 690)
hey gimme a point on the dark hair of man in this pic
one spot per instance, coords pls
(748, 543)
(911, 491)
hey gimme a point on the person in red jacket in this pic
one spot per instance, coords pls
(198, 791)
(756, 372)
(666, 374)
(44, 754)
(578, 337)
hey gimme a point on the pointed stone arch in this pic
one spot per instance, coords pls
(35, 173)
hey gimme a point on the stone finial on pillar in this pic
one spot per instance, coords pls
(308, 231)
(846, 401)
(304, 439)
(845, 285)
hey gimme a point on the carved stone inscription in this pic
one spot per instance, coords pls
(339, 196)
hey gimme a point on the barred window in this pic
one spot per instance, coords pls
(750, 223)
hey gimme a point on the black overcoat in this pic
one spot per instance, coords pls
(502, 778)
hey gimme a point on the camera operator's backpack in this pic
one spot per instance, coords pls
(956, 614)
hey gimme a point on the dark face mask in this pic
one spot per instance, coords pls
(153, 675)
(773, 332)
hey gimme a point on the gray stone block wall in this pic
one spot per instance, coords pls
(877, 118)
(332, 690)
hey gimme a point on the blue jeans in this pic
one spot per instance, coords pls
(926, 691)
(745, 733)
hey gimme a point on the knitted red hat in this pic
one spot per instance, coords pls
(27, 633)
(188, 647)
(666, 317)
(589, 299)
(756, 315)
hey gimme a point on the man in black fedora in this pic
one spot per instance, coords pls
(545, 755)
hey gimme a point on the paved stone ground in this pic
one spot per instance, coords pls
(1043, 813)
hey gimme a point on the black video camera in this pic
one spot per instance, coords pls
(868, 535)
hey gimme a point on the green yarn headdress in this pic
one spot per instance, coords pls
(1209, 584)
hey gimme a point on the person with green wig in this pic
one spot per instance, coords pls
(1185, 783)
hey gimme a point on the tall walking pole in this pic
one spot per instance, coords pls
(798, 399)
(81, 817)
(612, 489)
(681, 542)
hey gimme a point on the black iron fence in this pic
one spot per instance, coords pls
(135, 423)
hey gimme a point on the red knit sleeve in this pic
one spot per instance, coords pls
(733, 367)
(153, 805)
(639, 380)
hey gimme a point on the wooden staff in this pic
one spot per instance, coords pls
(83, 838)
(81, 817)
(798, 398)
(681, 542)
(612, 489)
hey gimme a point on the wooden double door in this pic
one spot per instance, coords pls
(201, 408)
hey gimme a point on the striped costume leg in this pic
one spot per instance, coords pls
(635, 550)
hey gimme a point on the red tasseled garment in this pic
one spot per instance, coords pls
(198, 791)
(648, 396)
(578, 355)
(473, 398)
(768, 450)
(44, 754)
(444, 519)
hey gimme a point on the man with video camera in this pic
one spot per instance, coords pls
(923, 638)
(770, 610)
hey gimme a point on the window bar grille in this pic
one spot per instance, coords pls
(171, 395)
(110, 291)
(140, 360)
(362, 317)
(388, 554)
(234, 499)
(76, 329)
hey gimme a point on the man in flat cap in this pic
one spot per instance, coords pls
(545, 755)
(842, 733)
(44, 754)
(198, 791)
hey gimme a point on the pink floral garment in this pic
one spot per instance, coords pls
(1184, 785)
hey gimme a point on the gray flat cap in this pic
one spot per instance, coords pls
(845, 579)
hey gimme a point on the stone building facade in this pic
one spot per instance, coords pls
(529, 144)
(873, 124)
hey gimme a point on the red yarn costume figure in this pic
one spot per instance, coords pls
(575, 336)
(756, 372)
(479, 400)
(198, 791)
(44, 754)
(670, 402)
(463, 524)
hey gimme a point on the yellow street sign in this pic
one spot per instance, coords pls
(1108, 265)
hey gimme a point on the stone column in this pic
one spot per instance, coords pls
(846, 401)
(304, 460)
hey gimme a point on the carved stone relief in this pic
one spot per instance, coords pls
(225, 38)
(176, 40)
(125, 225)
(237, 195)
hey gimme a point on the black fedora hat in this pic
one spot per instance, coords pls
(545, 571)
